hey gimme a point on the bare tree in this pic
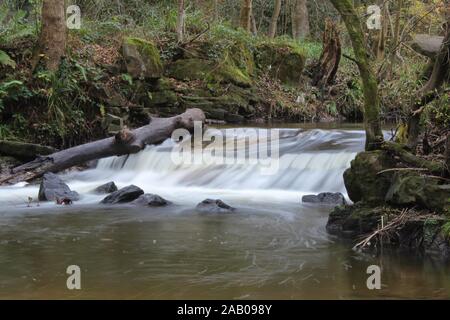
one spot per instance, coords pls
(51, 45)
(372, 122)
(274, 20)
(180, 21)
(245, 16)
(300, 19)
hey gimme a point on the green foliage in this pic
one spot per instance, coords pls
(14, 25)
(6, 60)
(13, 90)
(446, 229)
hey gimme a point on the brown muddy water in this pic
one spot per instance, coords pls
(272, 247)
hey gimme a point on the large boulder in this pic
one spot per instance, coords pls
(124, 195)
(282, 61)
(331, 198)
(210, 71)
(141, 58)
(106, 188)
(53, 188)
(411, 189)
(214, 206)
(363, 181)
(151, 200)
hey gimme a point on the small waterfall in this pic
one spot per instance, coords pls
(310, 161)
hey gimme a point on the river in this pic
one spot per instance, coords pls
(272, 247)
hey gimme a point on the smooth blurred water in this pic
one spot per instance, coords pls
(272, 247)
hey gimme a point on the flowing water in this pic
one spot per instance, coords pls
(272, 247)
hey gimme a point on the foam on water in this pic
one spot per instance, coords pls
(309, 162)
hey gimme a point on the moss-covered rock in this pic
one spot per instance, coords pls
(411, 189)
(167, 98)
(361, 219)
(209, 71)
(350, 221)
(363, 181)
(282, 61)
(142, 58)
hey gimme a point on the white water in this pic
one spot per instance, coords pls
(310, 161)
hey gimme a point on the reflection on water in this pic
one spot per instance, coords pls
(273, 247)
(175, 254)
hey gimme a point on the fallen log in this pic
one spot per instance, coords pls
(123, 143)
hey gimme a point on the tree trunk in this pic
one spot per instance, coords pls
(254, 27)
(274, 20)
(245, 16)
(51, 45)
(372, 122)
(428, 92)
(328, 65)
(300, 19)
(395, 41)
(125, 142)
(180, 21)
(216, 10)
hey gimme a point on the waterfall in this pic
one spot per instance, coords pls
(310, 161)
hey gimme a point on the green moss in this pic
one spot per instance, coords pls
(149, 53)
(200, 69)
(283, 61)
(446, 230)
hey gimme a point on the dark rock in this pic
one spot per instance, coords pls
(326, 198)
(411, 189)
(142, 58)
(7, 163)
(282, 61)
(361, 219)
(126, 194)
(53, 188)
(214, 206)
(234, 118)
(151, 200)
(362, 181)
(350, 221)
(108, 187)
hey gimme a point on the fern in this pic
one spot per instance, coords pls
(6, 60)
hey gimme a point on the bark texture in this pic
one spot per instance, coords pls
(439, 75)
(300, 19)
(124, 142)
(51, 45)
(328, 65)
(372, 122)
(246, 15)
(274, 20)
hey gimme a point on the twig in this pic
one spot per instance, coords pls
(402, 169)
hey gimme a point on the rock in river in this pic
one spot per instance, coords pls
(326, 198)
(151, 200)
(214, 206)
(53, 188)
(124, 195)
(106, 188)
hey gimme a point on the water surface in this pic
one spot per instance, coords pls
(273, 247)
